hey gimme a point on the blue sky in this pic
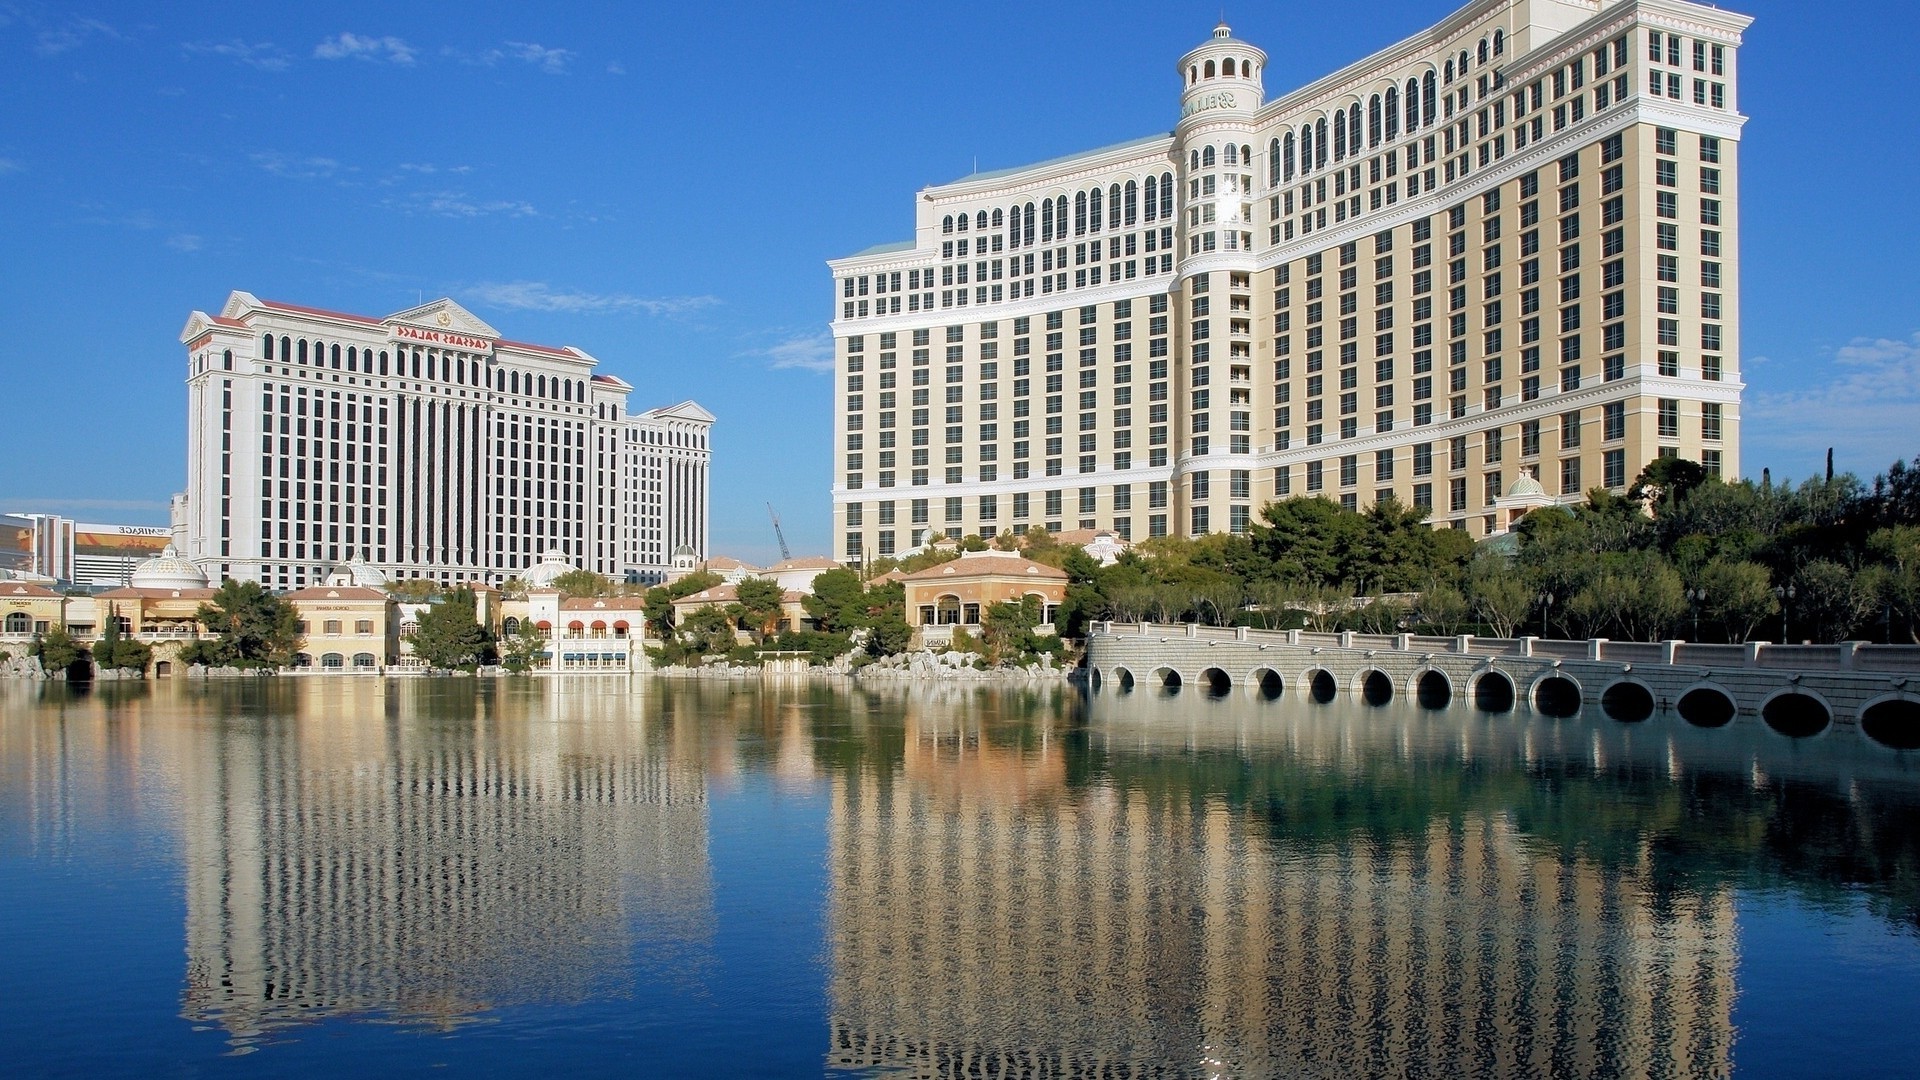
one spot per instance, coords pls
(660, 185)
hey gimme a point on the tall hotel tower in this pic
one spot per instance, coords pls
(425, 445)
(1503, 252)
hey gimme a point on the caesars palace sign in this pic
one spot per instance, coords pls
(443, 338)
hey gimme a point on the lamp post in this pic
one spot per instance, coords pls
(1546, 610)
(1696, 597)
(1784, 594)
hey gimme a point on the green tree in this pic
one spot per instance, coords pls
(252, 628)
(758, 601)
(1739, 596)
(1305, 539)
(520, 650)
(578, 583)
(413, 590)
(1829, 601)
(449, 636)
(838, 602)
(117, 651)
(1007, 627)
(57, 651)
(1898, 583)
(707, 629)
(660, 599)
(1635, 596)
(1442, 608)
(1499, 593)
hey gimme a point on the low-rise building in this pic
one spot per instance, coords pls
(346, 628)
(957, 593)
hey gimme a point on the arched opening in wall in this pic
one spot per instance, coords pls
(1706, 708)
(1268, 683)
(162, 669)
(1433, 691)
(1169, 680)
(1493, 693)
(1796, 716)
(1627, 702)
(1893, 724)
(1217, 682)
(1375, 687)
(1556, 696)
(1093, 679)
(1321, 687)
(1123, 679)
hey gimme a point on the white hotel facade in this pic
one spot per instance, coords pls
(427, 445)
(1505, 248)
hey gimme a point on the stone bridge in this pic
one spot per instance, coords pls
(1798, 690)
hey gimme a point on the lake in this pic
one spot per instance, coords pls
(327, 875)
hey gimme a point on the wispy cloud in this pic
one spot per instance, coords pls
(807, 352)
(615, 67)
(428, 168)
(550, 60)
(185, 242)
(297, 166)
(9, 165)
(540, 296)
(1865, 409)
(388, 50)
(458, 204)
(262, 55)
(74, 34)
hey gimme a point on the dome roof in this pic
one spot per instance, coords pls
(1526, 488)
(358, 572)
(551, 565)
(167, 570)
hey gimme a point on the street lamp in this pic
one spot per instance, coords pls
(1546, 609)
(1784, 594)
(1696, 597)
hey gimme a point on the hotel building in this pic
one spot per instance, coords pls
(427, 446)
(1503, 248)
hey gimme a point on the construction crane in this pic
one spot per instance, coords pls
(778, 535)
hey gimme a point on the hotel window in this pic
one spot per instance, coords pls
(1570, 476)
(1669, 418)
(1710, 421)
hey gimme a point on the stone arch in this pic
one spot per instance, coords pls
(1374, 686)
(1706, 705)
(1267, 683)
(1892, 721)
(1094, 679)
(1321, 687)
(1168, 678)
(1796, 713)
(1492, 692)
(1123, 680)
(162, 669)
(1629, 701)
(1217, 682)
(1431, 687)
(1556, 694)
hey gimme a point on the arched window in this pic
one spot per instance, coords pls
(1449, 69)
(946, 225)
(1413, 105)
(1393, 112)
(266, 346)
(1339, 134)
(1166, 196)
(1226, 66)
(333, 357)
(1080, 213)
(1232, 155)
(999, 217)
(510, 627)
(1026, 231)
(19, 622)
(1286, 157)
(1013, 225)
(1060, 217)
(303, 350)
(1483, 50)
(1273, 162)
(1246, 154)
(1429, 91)
(1320, 143)
(1133, 200)
(960, 223)
(1193, 161)
(1193, 74)
(1499, 42)
(543, 387)
(1113, 207)
(1463, 63)
(1373, 121)
(1046, 220)
(1306, 148)
(1207, 70)
(1353, 127)
(1093, 210)
(1206, 157)
(1152, 193)
(980, 221)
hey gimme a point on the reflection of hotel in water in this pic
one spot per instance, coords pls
(357, 857)
(1130, 931)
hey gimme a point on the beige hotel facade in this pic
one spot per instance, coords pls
(1505, 247)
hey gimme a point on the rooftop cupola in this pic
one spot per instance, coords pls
(1222, 74)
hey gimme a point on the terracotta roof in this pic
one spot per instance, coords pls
(719, 594)
(335, 592)
(891, 575)
(530, 347)
(128, 593)
(1083, 537)
(26, 588)
(222, 320)
(302, 309)
(728, 562)
(604, 603)
(987, 564)
(804, 562)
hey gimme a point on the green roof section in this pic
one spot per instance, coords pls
(1128, 144)
(883, 249)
